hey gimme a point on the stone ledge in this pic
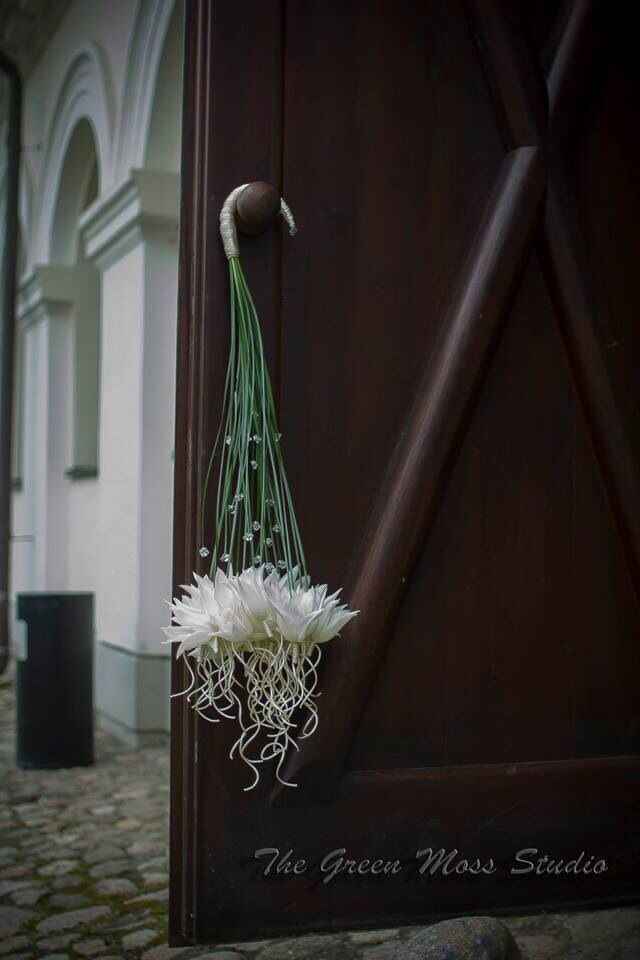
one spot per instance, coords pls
(132, 694)
(135, 739)
(147, 203)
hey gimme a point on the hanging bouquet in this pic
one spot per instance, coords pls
(251, 632)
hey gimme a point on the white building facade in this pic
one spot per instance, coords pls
(96, 335)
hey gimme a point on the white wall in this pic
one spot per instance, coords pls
(115, 65)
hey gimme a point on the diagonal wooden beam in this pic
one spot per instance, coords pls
(577, 313)
(515, 79)
(409, 496)
(572, 62)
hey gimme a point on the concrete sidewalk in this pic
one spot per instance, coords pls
(83, 873)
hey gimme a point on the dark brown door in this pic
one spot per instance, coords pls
(454, 337)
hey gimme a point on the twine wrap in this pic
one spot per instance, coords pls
(228, 229)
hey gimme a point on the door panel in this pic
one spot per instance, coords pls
(520, 618)
(385, 219)
(608, 196)
(452, 335)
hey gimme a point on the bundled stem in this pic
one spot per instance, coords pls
(255, 522)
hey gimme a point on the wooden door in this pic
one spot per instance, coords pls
(454, 340)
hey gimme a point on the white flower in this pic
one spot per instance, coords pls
(305, 614)
(250, 592)
(252, 608)
(207, 613)
(330, 622)
(195, 616)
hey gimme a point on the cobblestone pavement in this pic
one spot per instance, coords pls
(83, 873)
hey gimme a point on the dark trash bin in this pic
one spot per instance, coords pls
(54, 680)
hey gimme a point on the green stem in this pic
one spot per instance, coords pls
(252, 483)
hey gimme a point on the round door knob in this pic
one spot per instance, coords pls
(257, 207)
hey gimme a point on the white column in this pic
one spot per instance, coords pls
(132, 238)
(46, 305)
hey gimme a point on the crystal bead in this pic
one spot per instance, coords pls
(257, 559)
(248, 537)
(276, 528)
(239, 497)
(255, 438)
(278, 437)
(282, 564)
(232, 508)
(225, 558)
(227, 440)
(254, 464)
(203, 551)
(270, 502)
(268, 568)
(269, 542)
(256, 525)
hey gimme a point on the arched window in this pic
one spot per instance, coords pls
(78, 188)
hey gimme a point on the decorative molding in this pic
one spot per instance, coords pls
(85, 93)
(146, 204)
(46, 288)
(145, 51)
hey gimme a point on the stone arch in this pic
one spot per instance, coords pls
(83, 95)
(162, 146)
(143, 65)
(78, 187)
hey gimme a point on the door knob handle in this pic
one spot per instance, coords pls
(257, 206)
(251, 209)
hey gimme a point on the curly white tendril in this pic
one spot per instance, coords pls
(280, 679)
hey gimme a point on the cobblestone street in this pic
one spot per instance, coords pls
(83, 873)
